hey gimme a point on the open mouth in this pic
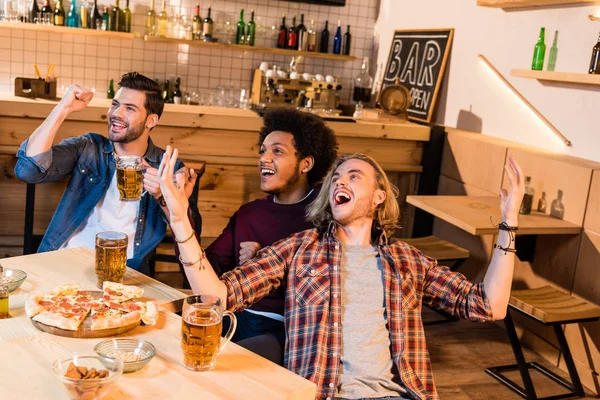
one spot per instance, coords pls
(117, 126)
(341, 198)
(267, 172)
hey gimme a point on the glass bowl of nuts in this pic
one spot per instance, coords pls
(87, 377)
(134, 353)
(13, 278)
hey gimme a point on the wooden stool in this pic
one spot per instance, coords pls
(550, 307)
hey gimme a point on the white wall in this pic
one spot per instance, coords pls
(507, 38)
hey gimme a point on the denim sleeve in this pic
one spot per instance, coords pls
(52, 165)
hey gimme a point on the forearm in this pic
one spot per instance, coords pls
(498, 278)
(41, 140)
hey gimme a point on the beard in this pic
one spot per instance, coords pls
(290, 183)
(363, 208)
(131, 133)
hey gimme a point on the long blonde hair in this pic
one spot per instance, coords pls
(386, 214)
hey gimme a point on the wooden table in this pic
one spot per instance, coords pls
(472, 214)
(28, 354)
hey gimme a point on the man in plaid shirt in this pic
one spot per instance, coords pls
(353, 297)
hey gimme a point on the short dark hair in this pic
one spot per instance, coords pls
(154, 103)
(311, 138)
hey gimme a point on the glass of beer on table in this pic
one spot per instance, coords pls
(111, 257)
(201, 326)
(130, 177)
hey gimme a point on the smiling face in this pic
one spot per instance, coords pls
(353, 194)
(279, 166)
(127, 116)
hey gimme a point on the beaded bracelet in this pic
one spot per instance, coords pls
(191, 264)
(185, 240)
(503, 226)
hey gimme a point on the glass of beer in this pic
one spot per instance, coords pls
(201, 328)
(129, 177)
(111, 257)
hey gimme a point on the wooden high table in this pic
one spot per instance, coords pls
(28, 354)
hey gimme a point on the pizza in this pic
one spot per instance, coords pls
(67, 306)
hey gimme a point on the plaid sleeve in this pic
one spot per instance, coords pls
(453, 293)
(254, 279)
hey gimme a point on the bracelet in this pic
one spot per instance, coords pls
(506, 250)
(503, 226)
(186, 240)
(191, 264)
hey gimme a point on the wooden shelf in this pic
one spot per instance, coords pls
(566, 77)
(66, 29)
(529, 3)
(257, 49)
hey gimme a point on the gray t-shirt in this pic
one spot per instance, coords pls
(366, 361)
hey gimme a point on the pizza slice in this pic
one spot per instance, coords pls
(119, 293)
(105, 317)
(147, 309)
(65, 311)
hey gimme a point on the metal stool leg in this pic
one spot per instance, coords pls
(29, 210)
(576, 385)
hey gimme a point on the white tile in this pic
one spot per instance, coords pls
(29, 35)
(79, 49)
(4, 44)
(90, 61)
(79, 39)
(78, 72)
(16, 33)
(126, 65)
(54, 58)
(16, 55)
(102, 62)
(66, 48)
(5, 32)
(102, 74)
(91, 50)
(29, 58)
(64, 71)
(4, 67)
(16, 42)
(158, 68)
(126, 54)
(67, 38)
(78, 61)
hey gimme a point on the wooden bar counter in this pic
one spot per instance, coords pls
(225, 138)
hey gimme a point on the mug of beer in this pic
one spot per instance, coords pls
(111, 257)
(201, 326)
(129, 177)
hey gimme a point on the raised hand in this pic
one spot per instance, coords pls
(510, 201)
(76, 98)
(173, 193)
(248, 250)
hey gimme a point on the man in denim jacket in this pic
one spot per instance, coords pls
(91, 202)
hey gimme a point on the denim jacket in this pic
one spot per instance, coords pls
(89, 160)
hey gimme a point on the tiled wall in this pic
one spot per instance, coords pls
(94, 61)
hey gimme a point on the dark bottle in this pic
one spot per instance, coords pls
(292, 36)
(324, 48)
(197, 24)
(126, 18)
(337, 40)
(282, 39)
(527, 202)
(207, 27)
(105, 18)
(595, 62)
(110, 93)
(34, 10)
(240, 29)
(46, 9)
(59, 14)
(347, 42)
(251, 30)
(539, 52)
(95, 17)
(114, 22)
(302, 34)
(167, 94)
(177, 92)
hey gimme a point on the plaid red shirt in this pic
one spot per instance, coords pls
(308, 264)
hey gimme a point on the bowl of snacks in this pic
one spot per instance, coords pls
(134, 353)
(13, 278)
(87, 377)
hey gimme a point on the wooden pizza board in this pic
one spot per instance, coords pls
(84, 331)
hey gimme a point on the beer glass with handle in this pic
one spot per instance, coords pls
(130, 179)
(201, 328)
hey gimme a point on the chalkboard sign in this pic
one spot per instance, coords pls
(418, 60)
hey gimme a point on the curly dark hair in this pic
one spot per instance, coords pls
(312, 137)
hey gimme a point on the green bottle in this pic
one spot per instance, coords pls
(251, 31)
(126, 18)
(553, 53)
(59, 14)
(241, 26)
(539, 52)
(115, 19)
(110, 93)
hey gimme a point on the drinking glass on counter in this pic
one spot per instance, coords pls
(201, 326)
(111, 257)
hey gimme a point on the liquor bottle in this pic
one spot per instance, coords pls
(337, 40)
(47, 10)
(363, 85)
(302, 34)
(105, 18)
(126, 18)
(527, 202)
(59, 14)
(595, 62)
(163, 20)
(177, 92)
(241, 28)
(197, 24)
(251, 31)
(553, 53)
(282, 39)
(84, 15)
(347, 42)
(72, 17)
(312, 37)
(167, 93)
(34, 10)
(324, 48)
(95, 17)
(207, 26)
(542, 203)
(539, 52)
(150, 28)
(292, 36)
(114, 22)
(3, 296)
(110, 93)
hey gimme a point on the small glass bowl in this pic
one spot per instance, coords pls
(13, 278)
(88, 388)
(139, 347)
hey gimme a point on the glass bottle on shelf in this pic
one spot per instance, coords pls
(251, 30)
(110, 93)
(208, 26)
(84, 15)
(177, 92)
(595, 62)
(34, 10)
(347, 42)
(114, 22)
(302, 34)
(324, 47)
(292, 36)
(95, 17)
(197, 24)
(337, 40)
(126, 18)
(542, 203)
(105, 18)
(363, 85)
(282, 39)
(150, 28)
(312, 37)
(46, 11)
(72, 17)
(539, 52)
(240, 29)
(553, 53)
(3, 296)
(527, 202)
(163, 20)
(59, 14)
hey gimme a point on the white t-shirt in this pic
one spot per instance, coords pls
(110, 214)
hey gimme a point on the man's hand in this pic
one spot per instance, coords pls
(76, 98)
(152, 180)
(248, 250)
(510, 202)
